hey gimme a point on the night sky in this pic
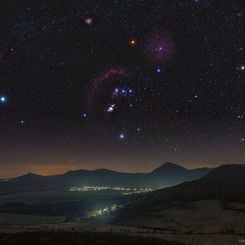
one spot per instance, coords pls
(120, 84)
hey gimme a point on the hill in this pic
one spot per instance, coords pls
(168, 174)
(215, 202)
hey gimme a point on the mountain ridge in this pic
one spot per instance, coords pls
(164, 165)
(224, 183)
(168, 174)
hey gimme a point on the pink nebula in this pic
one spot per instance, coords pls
(108, 74)
(88, 20)
(159, 47)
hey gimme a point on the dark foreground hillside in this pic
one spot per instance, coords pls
(74, 238)
(213, 204)
(225, 183)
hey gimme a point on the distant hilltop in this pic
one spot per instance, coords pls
(168, 174)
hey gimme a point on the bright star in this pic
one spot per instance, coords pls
(132, 42)
(121, 136)
(3, 99)
(158, 70)
(158, 49)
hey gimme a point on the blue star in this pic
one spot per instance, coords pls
(3, 99)
(158, 70)
(121, 136)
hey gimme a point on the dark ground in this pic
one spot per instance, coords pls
(74, 238)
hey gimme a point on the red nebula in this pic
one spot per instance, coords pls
(159, 47)
(108, 74)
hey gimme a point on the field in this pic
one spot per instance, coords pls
(59, 203)
(41, 217)
(46, 229)
(201, 217)
(57, 238)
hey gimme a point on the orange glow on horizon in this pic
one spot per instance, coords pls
(56, 169)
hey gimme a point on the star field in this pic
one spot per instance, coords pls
(124, 85)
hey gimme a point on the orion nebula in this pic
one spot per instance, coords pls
(159, 47)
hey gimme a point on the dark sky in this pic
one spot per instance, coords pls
(120, 84)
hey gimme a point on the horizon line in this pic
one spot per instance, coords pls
(118, 171)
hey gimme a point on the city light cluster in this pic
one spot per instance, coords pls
(106, 211)
(124, 190)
